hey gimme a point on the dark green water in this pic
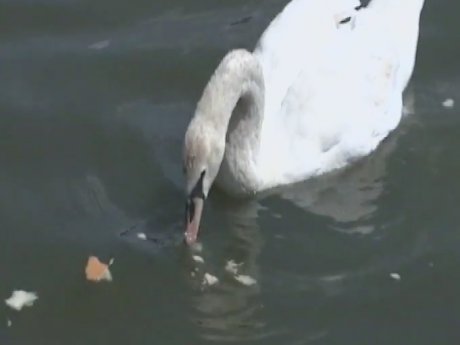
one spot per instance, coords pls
(94, 99)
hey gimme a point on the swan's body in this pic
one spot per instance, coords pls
(322, 88)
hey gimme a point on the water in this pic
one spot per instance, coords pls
(95, 97)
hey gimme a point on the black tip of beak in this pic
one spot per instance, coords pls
(189, 210)
(193, 210)
(197, 192)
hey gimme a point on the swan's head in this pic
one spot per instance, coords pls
(203, 153)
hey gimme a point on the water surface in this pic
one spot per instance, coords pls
(94, 100)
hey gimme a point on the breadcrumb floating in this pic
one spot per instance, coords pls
(198, 258)
(141, 236)
(448, 103)
(232, 267)
(20, 299)
(209, 279)
(245, 279)
(97, 271)
(395, 276)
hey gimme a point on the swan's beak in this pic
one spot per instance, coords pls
(193, 211)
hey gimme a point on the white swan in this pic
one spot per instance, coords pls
(322, 88)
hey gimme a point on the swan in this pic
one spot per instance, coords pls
(322, 88)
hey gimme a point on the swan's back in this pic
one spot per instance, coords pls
(333, 89)
(295, 41)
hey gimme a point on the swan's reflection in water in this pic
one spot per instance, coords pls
(348, 197)
(230, 310)
(306, 245)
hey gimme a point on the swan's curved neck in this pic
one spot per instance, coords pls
(233, 103)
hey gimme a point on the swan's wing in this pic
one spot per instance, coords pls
(336, 113)
(338, 101)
